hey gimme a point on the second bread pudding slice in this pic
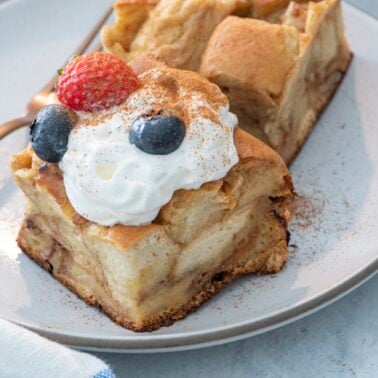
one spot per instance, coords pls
(145, 229)
(278, 61)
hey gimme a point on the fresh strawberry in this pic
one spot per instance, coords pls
(95, 81)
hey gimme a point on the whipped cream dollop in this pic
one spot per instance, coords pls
(110, 181)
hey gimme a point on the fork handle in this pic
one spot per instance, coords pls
(10, 126)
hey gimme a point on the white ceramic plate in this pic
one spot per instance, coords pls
(334, 244)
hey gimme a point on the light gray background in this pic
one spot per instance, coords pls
(338, 341)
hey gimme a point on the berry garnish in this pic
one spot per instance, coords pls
(159, 134)
(50, 131)
(95, 81)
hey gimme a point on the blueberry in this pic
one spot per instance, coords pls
(50, 131)
(158, 134)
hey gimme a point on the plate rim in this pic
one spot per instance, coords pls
(177, 342)
(150, 343)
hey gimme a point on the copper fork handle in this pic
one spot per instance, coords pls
(10, 126)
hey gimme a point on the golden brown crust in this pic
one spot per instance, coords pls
(218, 282)
(167, 29)
(130, 16)
(261, 57)
(50, 178)
(264, 7)
(126, 3)
(146, 62)
(318, 112)
(127, 236)
(249, 147)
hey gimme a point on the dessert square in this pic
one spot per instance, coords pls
(147, 267)
(279, 62)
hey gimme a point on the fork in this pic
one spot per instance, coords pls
(44, 96)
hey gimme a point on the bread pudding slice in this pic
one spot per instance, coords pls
(146, 273)
(149, 276)
(278, 61)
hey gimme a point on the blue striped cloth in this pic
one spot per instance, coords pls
(107, 373)
(24, 354)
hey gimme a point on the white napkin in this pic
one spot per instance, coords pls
(24, 354)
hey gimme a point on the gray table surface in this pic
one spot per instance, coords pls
(338, 341)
